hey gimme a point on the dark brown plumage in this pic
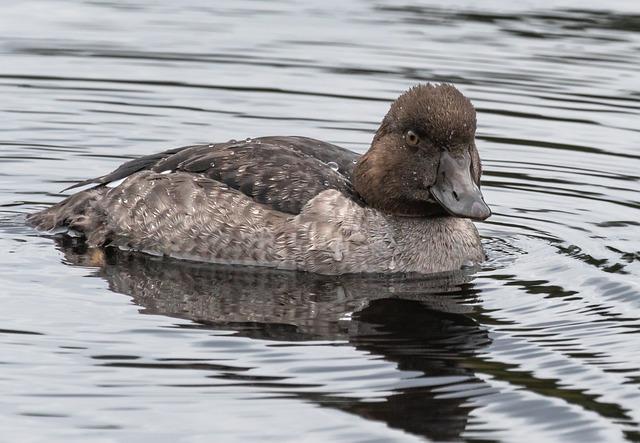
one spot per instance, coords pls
(281, 172)
(395, 177)
(439, 113)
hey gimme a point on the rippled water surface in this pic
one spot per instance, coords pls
(541, 343)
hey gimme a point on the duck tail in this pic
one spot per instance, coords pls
(78, 212)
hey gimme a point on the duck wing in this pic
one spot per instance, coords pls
(283, 173)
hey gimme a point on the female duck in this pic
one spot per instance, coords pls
(299, 203)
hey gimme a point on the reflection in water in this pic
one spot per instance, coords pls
(432, 342)
(417, 323)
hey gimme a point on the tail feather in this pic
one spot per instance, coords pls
(74, 212)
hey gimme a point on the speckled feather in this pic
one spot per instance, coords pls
(278, 201)
(282, 172)
(197, 218)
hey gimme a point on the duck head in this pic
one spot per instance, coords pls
(423, 159)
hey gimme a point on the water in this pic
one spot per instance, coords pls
(541, 343)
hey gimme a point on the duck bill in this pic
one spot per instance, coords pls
(456, 191)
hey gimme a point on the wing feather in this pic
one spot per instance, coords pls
(283, 173)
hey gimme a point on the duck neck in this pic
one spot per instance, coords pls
(377, 176)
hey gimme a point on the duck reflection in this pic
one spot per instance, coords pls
(422, 324)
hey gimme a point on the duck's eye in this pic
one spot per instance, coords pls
(412, 138)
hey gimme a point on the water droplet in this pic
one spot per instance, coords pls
(354, 161)
(233, 140)
(212, 164)
(334, 166)
(211, 146)
(248, 139)
(468, 264)
(326, 183)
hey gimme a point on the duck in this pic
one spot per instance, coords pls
(407, 205)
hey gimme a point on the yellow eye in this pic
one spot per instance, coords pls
(412, 138)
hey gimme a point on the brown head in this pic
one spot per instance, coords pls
(423, 159)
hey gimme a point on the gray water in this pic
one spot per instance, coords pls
(540, 344)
